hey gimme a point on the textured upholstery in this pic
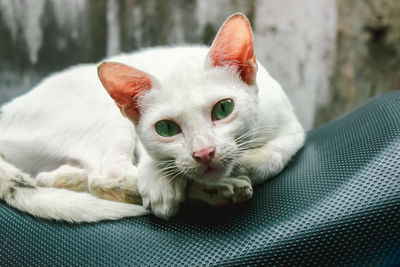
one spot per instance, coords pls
(337, 203)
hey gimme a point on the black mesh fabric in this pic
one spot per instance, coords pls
(337, 203)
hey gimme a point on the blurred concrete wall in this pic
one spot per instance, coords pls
(329, 55)
(367, 58)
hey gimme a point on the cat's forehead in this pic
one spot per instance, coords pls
(193, 80)
(197, 87)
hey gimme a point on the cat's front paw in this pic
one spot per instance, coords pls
(242, 189)
(228, 190)
(162, 196)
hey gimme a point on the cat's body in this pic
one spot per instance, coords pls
(68, 133)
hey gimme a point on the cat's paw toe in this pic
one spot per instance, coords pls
(225, 190)
(162, 205)
(146, 202)
(165, 210)
(242, 189)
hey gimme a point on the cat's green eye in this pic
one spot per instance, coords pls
(167, 128)
(222, 109)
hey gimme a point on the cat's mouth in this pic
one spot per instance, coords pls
(210, 169)
(211, 173)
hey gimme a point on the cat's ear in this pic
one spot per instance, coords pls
(125, 85)
(234, 46)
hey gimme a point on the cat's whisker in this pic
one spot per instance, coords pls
(255, 140)
(261, 129)
(247, 139)
(173, 177)
(256, 129)
(239, 165)
(171, 172)
(250, 139)
(169, 168)
(166, 163)
(251, 144)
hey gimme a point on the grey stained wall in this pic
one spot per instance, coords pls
(367, 58)
(329, 55)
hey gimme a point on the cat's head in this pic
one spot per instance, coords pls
(197, 121)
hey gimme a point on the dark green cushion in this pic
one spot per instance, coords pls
(336, 203)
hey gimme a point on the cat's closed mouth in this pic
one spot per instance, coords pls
(210, 169)
(212, 174)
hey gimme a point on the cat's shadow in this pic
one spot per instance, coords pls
(196, 213)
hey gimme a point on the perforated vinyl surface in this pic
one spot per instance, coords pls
(337, 203)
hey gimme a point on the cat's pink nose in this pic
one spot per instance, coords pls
(205, 155)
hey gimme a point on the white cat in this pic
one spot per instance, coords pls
(198, 116)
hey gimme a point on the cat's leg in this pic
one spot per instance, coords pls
(162, 194)
(118, 183)
(228, 190)
(66, 176)
(268, 160)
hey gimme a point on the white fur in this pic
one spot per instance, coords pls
(19, 190)
(69, 119)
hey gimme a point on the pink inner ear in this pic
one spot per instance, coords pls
(125, 85)
(234, 46)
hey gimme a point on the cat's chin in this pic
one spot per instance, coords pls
(211, 175)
